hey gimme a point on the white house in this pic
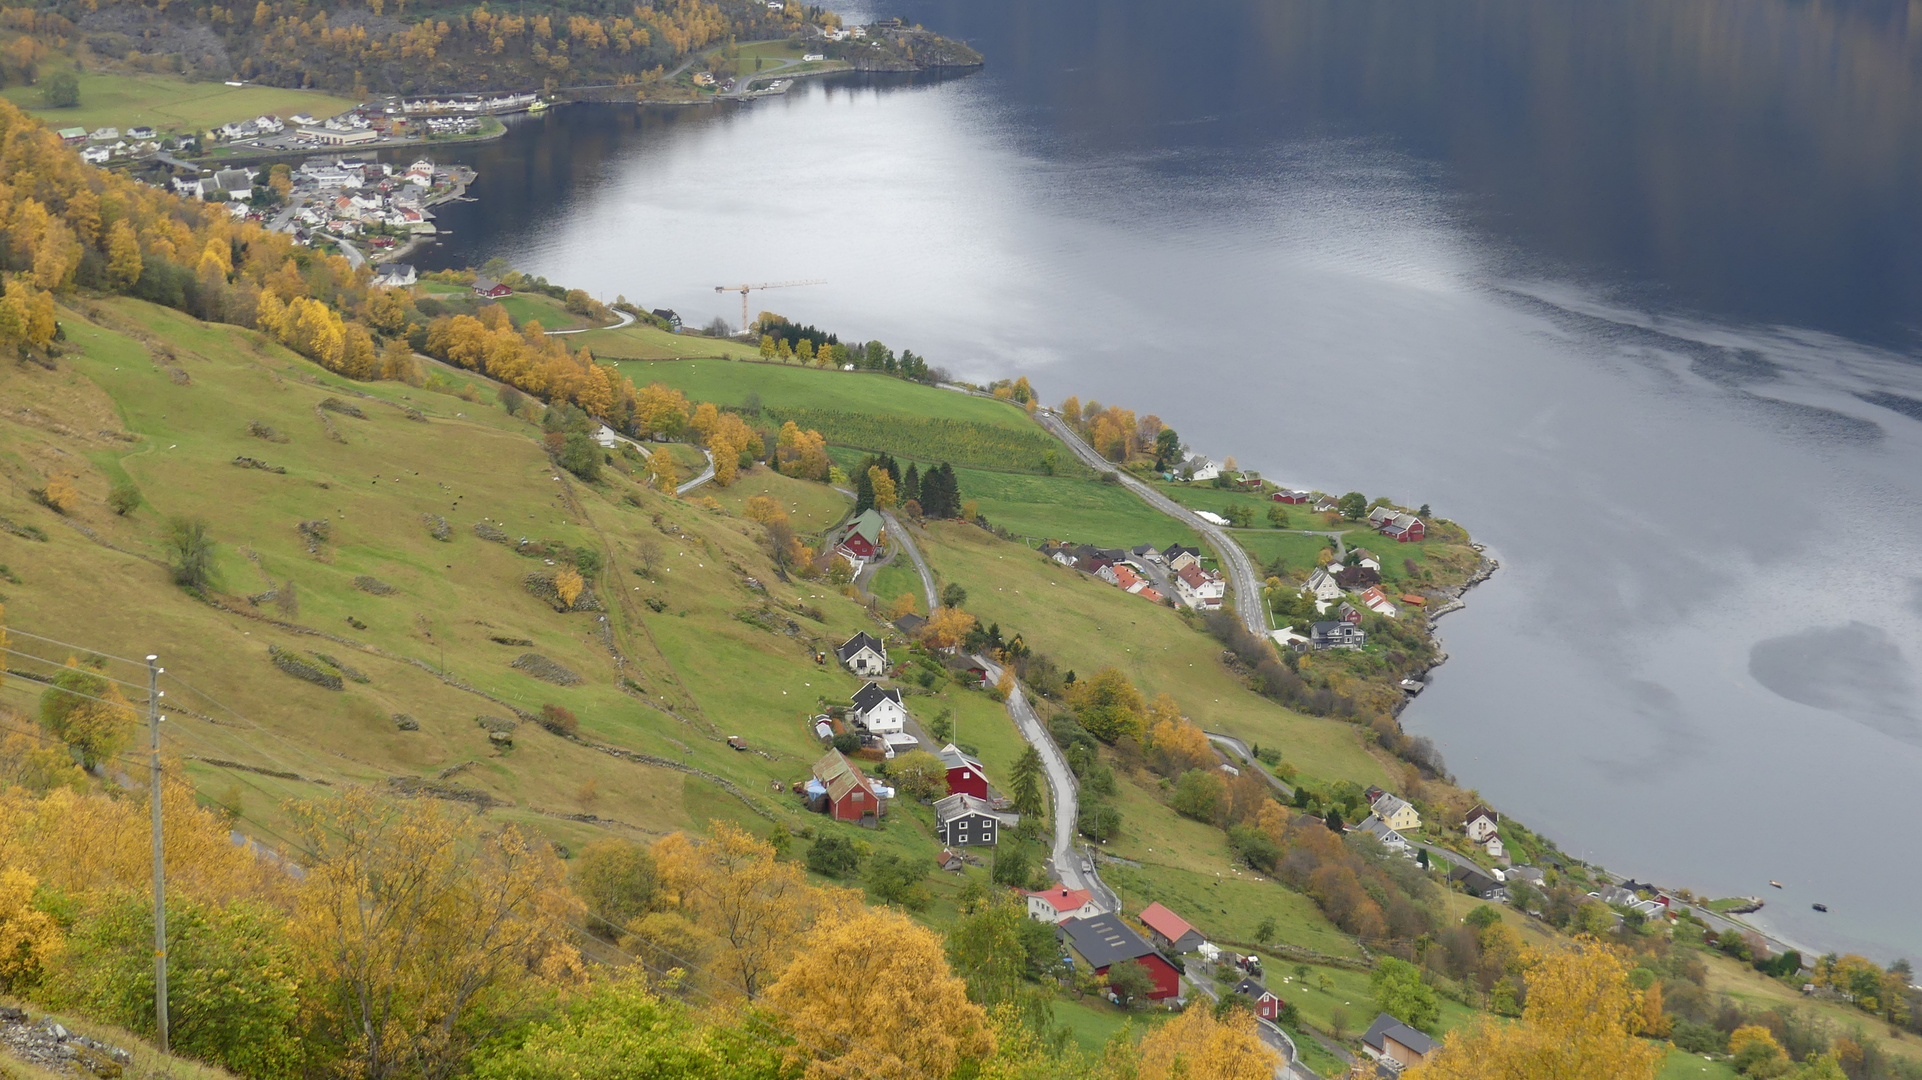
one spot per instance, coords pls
(105, 134)
(1323, 585)
(1200, 589)
(863, 654)
(1203, 468)
(1367, 559)
(95, 155)
(879, 711)
(1495, 848)
(269, 125)
(1481, 823)
(1374, 826)
(1058, 903)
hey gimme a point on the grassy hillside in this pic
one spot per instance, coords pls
(168, 103)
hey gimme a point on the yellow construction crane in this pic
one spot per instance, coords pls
(745, 289)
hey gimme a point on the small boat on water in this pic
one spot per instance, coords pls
(1777, 884)
(1823, 908)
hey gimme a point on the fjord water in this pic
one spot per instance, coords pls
(1629, 287)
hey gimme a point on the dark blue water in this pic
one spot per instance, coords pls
(1629, 288)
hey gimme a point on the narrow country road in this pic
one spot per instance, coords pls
(914, 553)
(1075, 870)
(706, 475)
(1243, 582)
(1248, 756)
(627, 319)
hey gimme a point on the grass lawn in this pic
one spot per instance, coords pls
(786, 386)
(551, 313)
(644, 341)
(1347, 991)
(1093, 1021)
(1682, 1065)
(898, 579)
(811, 507)
(1298, 552)
(170, 104)
(1229, 907)
(1756, 990)
(1086, 625)
(1084, 511)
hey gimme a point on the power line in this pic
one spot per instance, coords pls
(97, 673)
(70, 645)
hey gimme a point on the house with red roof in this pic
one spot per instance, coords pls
(1058, 902)
(1170, 931)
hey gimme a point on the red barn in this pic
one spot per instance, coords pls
(1404, 529)
(1291, 496)
(964, 773)
(850, 795)
(1105, 941)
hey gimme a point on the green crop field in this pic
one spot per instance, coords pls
(170, 104)
(792, 387)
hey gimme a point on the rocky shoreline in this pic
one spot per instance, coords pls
(1456, 595)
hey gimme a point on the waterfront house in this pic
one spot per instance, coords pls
(1405, 529)
(863, 654)
(1377, 601)
(1170, 931)
(962, 820)
(1104, 941)
(488, 287)
(1199, 468)
(965, 776)
(1058, 903)
(1292, 496)
(668, 316)
(1325, 505)
(1336, 635)
(396, 275)
(1395, 1044)
(1481, 823)
(1380, 515)
(879, 711)
(1400, 816)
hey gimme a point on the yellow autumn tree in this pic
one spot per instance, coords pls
(905, 604)
(872, 996)
(755, 907)
(660, 410)
(1175, 744)
(86, 710)
(1581, 1023)
(946, 627)
(1196, 1046)
(663, 471)
(568, 585)
(29, 938)
(883, 484)
(60, 494)
(124, 264)
(764, 510)
(413, 922)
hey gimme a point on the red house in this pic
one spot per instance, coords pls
(1266, 1004)
(1105, 941)
(861, 538)
(1404, 528)
(964, 773)
(1291, 496)
(850, 795)
(487, 286)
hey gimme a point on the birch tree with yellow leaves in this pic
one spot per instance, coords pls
(872, 996)
(1581, 1023)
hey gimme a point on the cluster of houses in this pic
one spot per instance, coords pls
(970, 814)
(1137, 570)
(1348, 589)
(104, 144)
(471, 105)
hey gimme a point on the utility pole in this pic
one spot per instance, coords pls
(159, 858)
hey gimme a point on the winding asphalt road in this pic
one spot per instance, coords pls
(1075, 869)
(627, 319)
(1243, 582)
